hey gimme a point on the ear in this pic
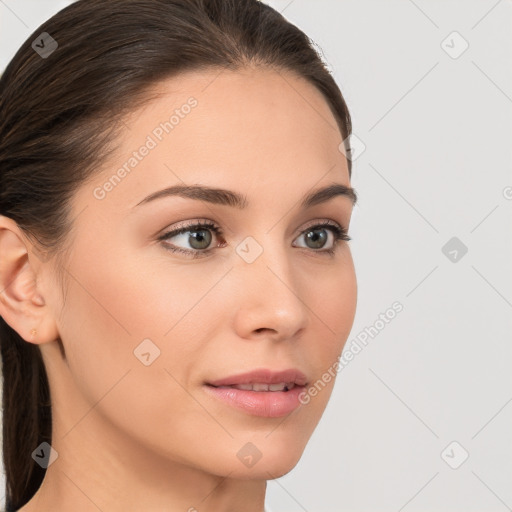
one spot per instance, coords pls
(22, 305)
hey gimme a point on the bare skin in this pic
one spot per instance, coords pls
(137, 437)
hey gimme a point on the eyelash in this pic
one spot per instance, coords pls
(339, 232)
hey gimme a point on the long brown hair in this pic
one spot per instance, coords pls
(59, 115)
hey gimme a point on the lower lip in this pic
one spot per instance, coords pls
(269, 404)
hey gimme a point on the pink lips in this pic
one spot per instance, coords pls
(264, 376)
(269, 404)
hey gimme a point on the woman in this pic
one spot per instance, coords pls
(176, 280)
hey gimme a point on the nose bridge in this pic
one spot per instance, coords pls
(271, 291)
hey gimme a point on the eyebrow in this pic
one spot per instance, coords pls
(235, 200)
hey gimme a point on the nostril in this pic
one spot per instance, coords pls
(263, 329)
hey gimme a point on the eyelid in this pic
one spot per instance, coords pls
(317, 222)
(183, 227)
(188, 225)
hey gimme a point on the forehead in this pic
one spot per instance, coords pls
(232, 129)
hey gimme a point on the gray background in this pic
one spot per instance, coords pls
(436, 164)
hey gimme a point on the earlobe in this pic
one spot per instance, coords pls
(21, 304)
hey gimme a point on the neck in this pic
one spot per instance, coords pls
(99, 468)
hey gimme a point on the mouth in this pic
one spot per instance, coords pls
(260, 393)
(263, 379)
(260, 386)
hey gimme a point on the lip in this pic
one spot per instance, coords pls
(264, 376)
(268, 404)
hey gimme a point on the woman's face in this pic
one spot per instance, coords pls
(146, 329)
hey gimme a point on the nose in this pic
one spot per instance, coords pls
(270, 300)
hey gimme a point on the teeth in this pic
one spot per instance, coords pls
(264, 387)
(277, 387)
(260, 387)
(247, 387)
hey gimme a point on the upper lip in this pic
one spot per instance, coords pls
(263, 376)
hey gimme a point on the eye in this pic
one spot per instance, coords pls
(318, 235)
(198, 236)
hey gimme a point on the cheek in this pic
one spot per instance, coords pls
(119, 309)
(332, 300)
(109, 311)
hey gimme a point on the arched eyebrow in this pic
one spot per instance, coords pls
(235, 200)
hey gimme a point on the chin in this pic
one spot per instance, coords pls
(262, 470)
(269, 459)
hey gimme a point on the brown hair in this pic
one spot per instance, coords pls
(59, 117)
